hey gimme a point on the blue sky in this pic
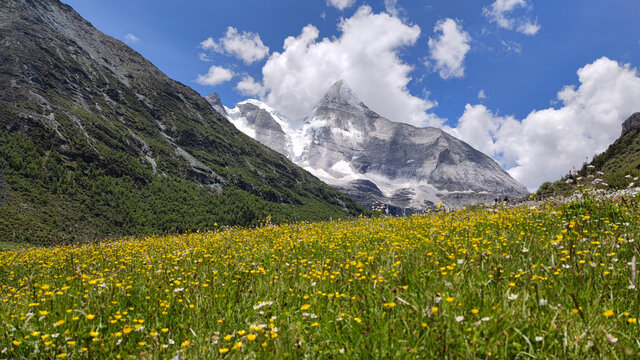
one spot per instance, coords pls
(481, 45)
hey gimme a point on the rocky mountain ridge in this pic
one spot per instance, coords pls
(377, 161)
(631, 123)
(96, 142)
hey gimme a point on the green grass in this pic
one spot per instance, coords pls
(8, 245)
(548, 281)
(618, 167)
(47, 198)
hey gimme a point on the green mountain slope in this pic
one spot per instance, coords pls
(96, 142)
(619, 164)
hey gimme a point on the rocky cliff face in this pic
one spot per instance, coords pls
(375, 160)
(630, 123)
(216, 103)
(267, 130)
(85, 100)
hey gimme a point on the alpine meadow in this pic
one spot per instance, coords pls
(320, 179)
(548, 280)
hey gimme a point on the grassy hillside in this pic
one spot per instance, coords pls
(96, 142)
(622, 158)
(48, 198)
(551, 281)
(619, 165)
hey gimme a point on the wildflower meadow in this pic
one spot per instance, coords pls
(539, 280)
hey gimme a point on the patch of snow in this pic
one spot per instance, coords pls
(299, 141)
(351, 134)
(232, 113)
(242, 125)
(322, 175)
(342, 167)
(344, 173)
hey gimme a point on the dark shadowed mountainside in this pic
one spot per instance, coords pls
(96, 142)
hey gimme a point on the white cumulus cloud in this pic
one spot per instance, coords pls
(501, 13)
(549, 142)
(131, 38)
(392, 8)
(204, 57)
(248, 86)
(449, 48)
(216, 75)
(246, 46)
(365, 55)
(210, 44)
(529, 28)
(341, 4)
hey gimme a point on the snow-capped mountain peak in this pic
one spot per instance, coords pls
(341, 95)
(375, 160)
